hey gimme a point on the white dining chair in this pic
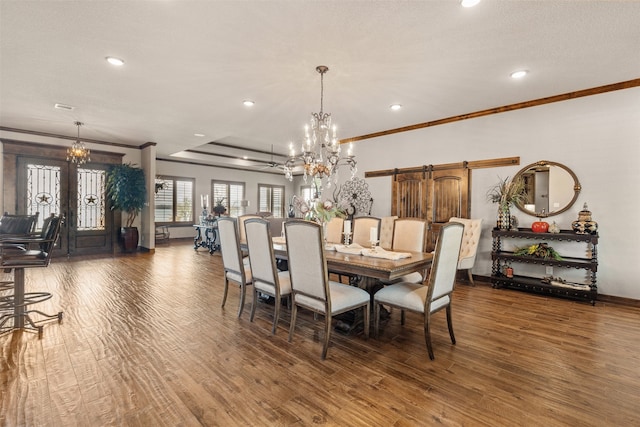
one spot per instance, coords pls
(266, 277)
(470, 241)
(362, 226)
(241, 229)
(409, 234)
(310, 285)
(437, 295)
(235, 270)
(334, 230)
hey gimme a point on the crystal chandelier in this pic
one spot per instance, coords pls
(78, 153)
(320, 152)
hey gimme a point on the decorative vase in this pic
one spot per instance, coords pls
(504, 218)
(584, 224)
(514, 223)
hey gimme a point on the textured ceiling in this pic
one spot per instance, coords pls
(190, 64)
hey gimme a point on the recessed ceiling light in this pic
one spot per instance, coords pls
(63, 107)
(245, 157)
(248, 103)
(469, 3)
(115, 61)
(519, 74)
(395, 107)
(199, 135)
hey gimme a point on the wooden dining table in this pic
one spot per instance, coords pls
(371, 269)
(368, 271)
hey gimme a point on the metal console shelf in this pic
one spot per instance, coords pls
(500, 258)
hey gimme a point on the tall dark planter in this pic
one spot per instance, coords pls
(129, 238)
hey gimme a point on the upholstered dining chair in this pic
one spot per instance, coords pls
(334, 230)
(409, 234)
(434, 297)
(241, 229)
(470, 241)
(266, 277)
(386, 231)
(310, 285)
(235, 270)
(362, 226)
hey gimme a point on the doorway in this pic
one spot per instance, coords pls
(50, 185)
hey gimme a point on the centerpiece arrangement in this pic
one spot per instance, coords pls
(506, 193)
(318, 210)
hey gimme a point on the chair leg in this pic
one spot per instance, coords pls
(470, 277)
(367, 310)
(226, 290)
(376, 319)
(276, 314)
(327, 334)
(427, 334)
(253, 304)
(450, 324)
(402, 317)
(294, 312)
(243, 289)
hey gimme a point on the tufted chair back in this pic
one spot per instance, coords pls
(470, 240)
(386, 231)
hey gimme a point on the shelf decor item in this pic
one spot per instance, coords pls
(584, 224)
(538, 250)
(540, 227)
(554, 228)
(506, 193)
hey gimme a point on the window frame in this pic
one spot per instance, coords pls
(174, 208)
(240, 209)
(271, 187)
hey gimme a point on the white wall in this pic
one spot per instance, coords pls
(598, 137)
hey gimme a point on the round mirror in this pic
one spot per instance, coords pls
(551, 188)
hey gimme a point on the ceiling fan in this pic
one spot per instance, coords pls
(271, 164)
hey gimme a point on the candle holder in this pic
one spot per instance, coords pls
(204, 216)
(347, 238)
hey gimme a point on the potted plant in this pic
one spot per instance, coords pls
(220, 208)
(126, 188)
(506, 193)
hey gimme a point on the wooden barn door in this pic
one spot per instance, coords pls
(448, 196)
(435, 195)
(409, 198)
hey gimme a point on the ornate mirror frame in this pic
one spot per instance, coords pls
(525, 174)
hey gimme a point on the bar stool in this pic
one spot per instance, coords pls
(19, 255)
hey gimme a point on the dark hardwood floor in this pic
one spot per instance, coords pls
(144, 342)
